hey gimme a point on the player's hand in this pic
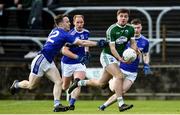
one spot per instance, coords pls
(123, 61)
(102, 43)
(147, 69)
(83, 60)
(71, 45)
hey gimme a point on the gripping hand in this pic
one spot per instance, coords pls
(147, 69)
(83, 60)
(102, 43)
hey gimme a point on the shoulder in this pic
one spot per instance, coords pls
(72, 31)
(111, 27)
(85, 30)
(129, 26)
(144, 38)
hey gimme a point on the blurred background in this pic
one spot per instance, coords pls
(25, 25)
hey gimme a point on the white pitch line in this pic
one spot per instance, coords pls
(92, 114)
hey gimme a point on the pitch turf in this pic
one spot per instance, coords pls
(89, 107)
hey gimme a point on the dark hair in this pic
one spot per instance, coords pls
(123, 11)
(136, 21)
(59, 18)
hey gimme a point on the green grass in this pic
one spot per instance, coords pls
(84, 107)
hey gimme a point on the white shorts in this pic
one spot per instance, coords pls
(40, 65)
(69, 69)
(129, 75)
(107, 59)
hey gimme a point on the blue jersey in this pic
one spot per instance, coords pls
(143, 45)
(56, 40)
(79, 50)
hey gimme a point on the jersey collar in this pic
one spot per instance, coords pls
(138, 37)
(79, 31)
(120, 25)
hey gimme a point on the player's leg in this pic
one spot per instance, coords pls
(113, 69)
(94, 82)
(67, 72)
(76, 92)
(79, 74)
(25, 84)
(127, 83)
(126, 86)
(105, 77)
(54, 75)
(34, 76)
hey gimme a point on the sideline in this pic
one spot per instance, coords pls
(92, 114)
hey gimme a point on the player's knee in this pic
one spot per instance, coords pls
(102, 85)
(65, 87)
(119, 77)
(31, 87)
(58, 82)
(124, 91)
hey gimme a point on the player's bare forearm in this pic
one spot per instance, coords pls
(86, 43)
(146, 58)
(67, 52)
(134, 46)
(114, 52)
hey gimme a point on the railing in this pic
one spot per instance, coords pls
(33, 39)
(38, 40)
(143, 10)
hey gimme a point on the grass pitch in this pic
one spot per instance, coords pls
(89, 107)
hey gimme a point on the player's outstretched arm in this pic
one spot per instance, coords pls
(100, 43)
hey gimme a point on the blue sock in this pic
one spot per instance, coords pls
(56, 102)
(72, 101)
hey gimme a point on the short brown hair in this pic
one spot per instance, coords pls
(123, 11)
(136, 21)
(59, 18)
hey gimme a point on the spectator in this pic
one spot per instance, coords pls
(52, 4)
(35, 17)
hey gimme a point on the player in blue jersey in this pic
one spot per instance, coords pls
(130, 70)
(70, 65)
(43, 63)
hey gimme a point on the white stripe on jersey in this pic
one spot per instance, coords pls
(108, 32)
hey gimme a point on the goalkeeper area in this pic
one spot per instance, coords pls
(148, 107)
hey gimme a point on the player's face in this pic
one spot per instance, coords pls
(122, 19)
(66, 23)
(79, 23)
(138, 29)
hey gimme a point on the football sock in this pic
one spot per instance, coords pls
(72, 101)
(82, 83)
(56, 102)
(16, 85)
(120, 101)
(103, 107)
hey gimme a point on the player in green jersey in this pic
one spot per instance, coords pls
(118, 35)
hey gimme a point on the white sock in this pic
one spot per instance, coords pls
(16, 85)
(82, 83)
(120, 101)
(105, 104)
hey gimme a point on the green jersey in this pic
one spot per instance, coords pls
(120, 36)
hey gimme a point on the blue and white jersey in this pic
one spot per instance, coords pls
(56, 40)
(143, 45)
(79, 50)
